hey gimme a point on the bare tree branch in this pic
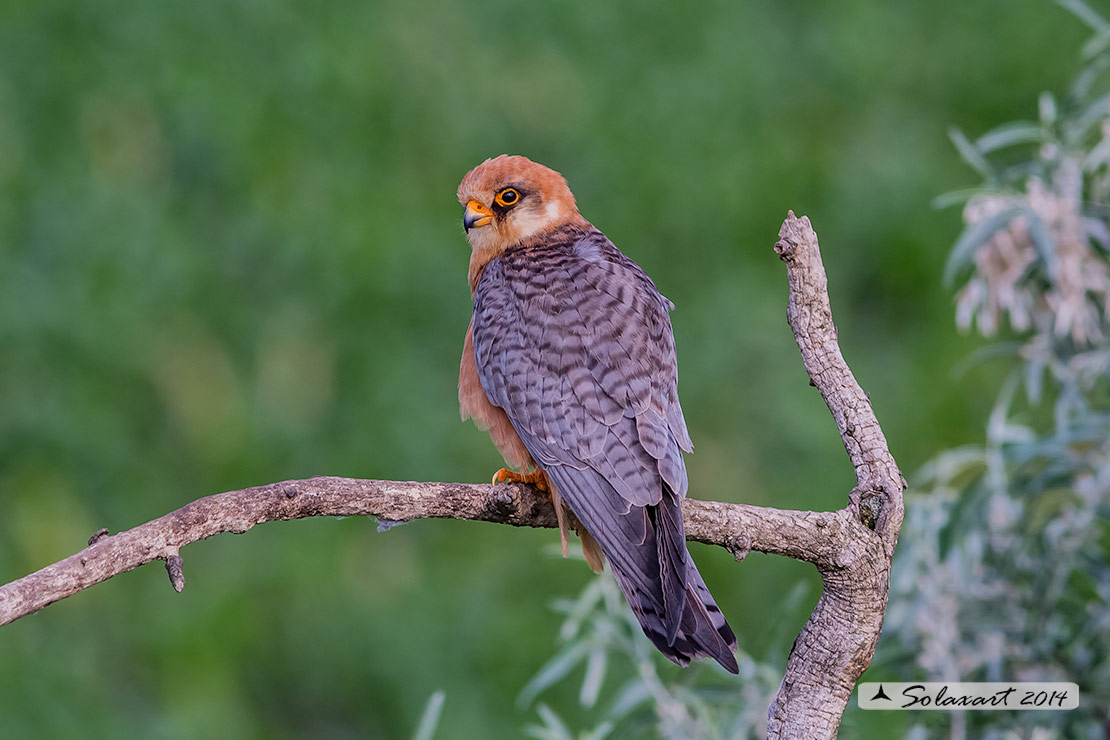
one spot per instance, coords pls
(851, 548)
(837, 643)
(767, 530)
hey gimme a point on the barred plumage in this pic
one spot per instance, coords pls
(573, 343)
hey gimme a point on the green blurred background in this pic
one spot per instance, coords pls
(230, 254)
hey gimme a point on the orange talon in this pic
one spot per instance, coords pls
(535, 478)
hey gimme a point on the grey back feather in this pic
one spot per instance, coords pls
(573, 340)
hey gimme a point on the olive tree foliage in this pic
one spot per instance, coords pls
(621, 692)
(1003, 573)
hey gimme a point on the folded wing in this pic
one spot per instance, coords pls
(574, 342)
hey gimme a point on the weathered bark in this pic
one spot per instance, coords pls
(851, 548)
(837, 643)
(766, 530)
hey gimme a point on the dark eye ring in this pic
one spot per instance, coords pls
(507, 197)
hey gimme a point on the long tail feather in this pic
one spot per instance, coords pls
(647, 552)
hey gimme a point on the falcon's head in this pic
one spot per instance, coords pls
(509, 199)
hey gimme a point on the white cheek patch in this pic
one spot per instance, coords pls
(527, 223)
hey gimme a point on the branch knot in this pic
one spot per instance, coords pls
(501, 503)
(175, 568)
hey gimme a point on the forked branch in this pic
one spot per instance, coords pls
(851, 548)
(837, 643)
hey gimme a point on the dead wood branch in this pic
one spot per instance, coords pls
(852, 548)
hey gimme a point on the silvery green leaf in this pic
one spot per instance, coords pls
(1085, 13)
(631, 695)
(997, 422)
(1034, 379)
(1097, 157)
(971, 239)
(1083, 84)
(1010, 134)
(429, 720)
(1017, 174)
(598, 733)
(553, 728)
(955, 197)
(1046, 107)
(1081, 125)
(971, 154)
(1096, 45)
(563, 605)
(595, 675)
(985, 353)
(583, 605)
(552, 672)
(1042, 241)
(942, 469)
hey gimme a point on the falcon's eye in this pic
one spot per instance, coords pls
(507, 197)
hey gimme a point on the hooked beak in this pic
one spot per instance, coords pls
(476, 215)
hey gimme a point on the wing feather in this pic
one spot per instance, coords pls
(573, 341)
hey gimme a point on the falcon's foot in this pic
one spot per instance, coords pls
(535, 478)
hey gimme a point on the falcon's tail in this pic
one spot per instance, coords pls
(647, 553)
(702, 632)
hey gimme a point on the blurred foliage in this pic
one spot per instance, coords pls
(230, 254)
(1004, 570)
(700, 703)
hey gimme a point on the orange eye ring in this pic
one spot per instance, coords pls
(507, 197)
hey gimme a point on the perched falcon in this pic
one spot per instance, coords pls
(569, 362)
